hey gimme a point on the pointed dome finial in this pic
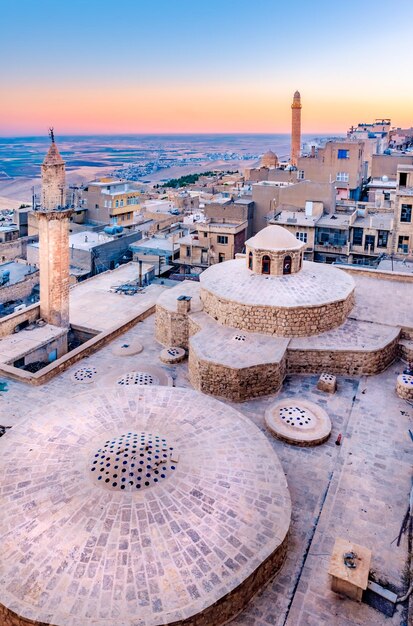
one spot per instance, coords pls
(51, 133)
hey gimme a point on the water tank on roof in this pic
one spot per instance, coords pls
(113, 230)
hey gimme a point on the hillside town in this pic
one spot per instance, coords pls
(206, 392)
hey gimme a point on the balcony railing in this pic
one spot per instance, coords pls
(405, 191)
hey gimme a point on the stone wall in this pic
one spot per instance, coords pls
(95, 343)
(219, 613)
(349, 362)
(171, 328)
(284, 322)
(235, 384)
(276, 260)
(11, 250)
(9, 322)
(21, 289)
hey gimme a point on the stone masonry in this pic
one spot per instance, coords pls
(54, 266)
(282, 321)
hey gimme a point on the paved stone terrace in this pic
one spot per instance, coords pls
(359, 489)
(383, 301)
(232, 347)
(352, 335)
(78, 551)
(316, 284)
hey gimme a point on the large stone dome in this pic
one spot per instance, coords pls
(145, 506)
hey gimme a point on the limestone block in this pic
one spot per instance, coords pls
(327, 382)
(349, 581)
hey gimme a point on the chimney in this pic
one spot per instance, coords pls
(183, 305)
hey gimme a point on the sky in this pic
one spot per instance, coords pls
(182, 66)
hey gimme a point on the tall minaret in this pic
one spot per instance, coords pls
(53, 218)
(295, 128)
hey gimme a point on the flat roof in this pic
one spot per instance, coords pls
(298, 218)
(379, 220)
(17, 271)
(94, 303)
(335, 220)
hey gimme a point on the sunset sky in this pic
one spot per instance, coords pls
(89, 66)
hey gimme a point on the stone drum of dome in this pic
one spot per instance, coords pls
(140, 505)
(317, 298)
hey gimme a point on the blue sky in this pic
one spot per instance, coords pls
(253, 52)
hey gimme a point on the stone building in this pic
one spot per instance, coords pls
(267, 313)
(107, 200)
(403, 224)
(339, 162)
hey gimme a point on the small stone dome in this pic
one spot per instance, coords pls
(274, 238)
(269, 159)
(274, 250)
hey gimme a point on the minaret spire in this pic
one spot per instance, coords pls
(51, 133)
(295, 128)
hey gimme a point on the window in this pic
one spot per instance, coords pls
(403, 244)
(188, 251)
(223, 239)
(382, 238)
(342, 177)
(266, 264)
(369, 241)
(301, 237)
(96, 206)
(406, 213)
(205, 233)
(117, 204)
(343, 154)
(250, 261)
(357, 236)
(121, 203)
(402, 179)
(386, 195)
(221, 257)
(287, 265)
(300, 175)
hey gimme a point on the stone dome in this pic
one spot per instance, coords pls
(148, 505)
(269, 159)
(274, 250)
(297, 94)
(274, 238)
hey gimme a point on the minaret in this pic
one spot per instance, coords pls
(295, 128)
(53, 219)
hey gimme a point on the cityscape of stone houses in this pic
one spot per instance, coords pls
(206, 392)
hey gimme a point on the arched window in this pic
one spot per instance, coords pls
(266, 264)
(287, 264)
(250, 261)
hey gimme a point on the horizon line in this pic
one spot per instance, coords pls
(169, 133)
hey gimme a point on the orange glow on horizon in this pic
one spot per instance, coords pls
(185, 109)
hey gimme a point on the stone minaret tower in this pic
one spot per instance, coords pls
(53, 219)
(295, 128)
